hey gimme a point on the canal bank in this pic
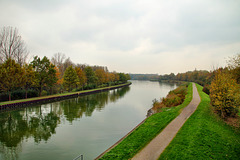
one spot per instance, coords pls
(143, 133)
(53, 98)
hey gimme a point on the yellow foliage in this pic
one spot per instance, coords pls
(223, 94)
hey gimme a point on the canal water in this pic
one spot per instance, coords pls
(87, 125)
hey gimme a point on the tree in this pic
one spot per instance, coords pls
(28, 77)
(101, 76)
(58, 60)
(67, 63)
(52, 77)
(81, 76)
(12, 46)
(45, 72)
(11, 76)
(91, 78)
(70, 78)
(234, 67)
(122, 77)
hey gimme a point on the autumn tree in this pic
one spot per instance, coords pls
(116, 76)
(101, 76)
(59, 83)
(12, 46)
(45, 72)
(81, 76)
(11, 76)
(70, 78)
(111, 77)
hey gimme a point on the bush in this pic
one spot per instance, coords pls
(3, 97)
(174, 98)
(18, 94)
(44, 93)
(90, 86)
(206, 89)
(224, 94)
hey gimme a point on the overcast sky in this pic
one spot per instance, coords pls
(136, 36)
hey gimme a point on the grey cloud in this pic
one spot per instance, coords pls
(152, 28)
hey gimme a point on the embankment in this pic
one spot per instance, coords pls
(47, 99)
(128, 146)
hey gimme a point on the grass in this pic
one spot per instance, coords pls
(56, 95)
(204, 136)
(146, 132)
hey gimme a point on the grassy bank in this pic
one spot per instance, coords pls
(58, 95)
(147, 131)
(204, 136)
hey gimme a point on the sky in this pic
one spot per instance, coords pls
(131, 36)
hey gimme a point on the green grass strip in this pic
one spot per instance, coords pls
(57, 95)
(204, 136)
(146, 132)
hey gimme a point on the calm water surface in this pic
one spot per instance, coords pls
(86, 125)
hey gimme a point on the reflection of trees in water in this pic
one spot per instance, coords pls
(16, 126)
(173, 84)
(75, 108)
(41, 122)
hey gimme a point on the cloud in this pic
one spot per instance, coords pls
(153, 36)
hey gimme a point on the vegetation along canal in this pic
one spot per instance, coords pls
(87, 125)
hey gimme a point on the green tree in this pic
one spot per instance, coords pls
(45, 74)
(91, 78)
(123, 77)
(70, 78)
(11, 76)
(29, 77)
(52, 77)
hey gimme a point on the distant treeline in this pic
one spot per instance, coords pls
(201, 77)
(144, 76)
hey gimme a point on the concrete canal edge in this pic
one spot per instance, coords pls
(119, 141)
(48, 99)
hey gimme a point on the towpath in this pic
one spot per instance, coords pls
(154, 149)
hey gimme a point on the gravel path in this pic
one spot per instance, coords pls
(153, 150)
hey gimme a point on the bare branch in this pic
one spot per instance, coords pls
(12, 46)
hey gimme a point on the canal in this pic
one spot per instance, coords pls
(86, 125)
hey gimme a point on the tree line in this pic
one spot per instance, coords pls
(44, 76)
(151, 77)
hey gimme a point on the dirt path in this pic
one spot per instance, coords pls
(153, 150)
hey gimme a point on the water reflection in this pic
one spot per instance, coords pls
(40, 122)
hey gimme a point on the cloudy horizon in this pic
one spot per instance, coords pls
(133, 36)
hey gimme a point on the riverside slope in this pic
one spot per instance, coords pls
(154, 149)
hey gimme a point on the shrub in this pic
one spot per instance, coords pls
(206, 89)
(174, 98)
(44, 93)
(224, 94)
